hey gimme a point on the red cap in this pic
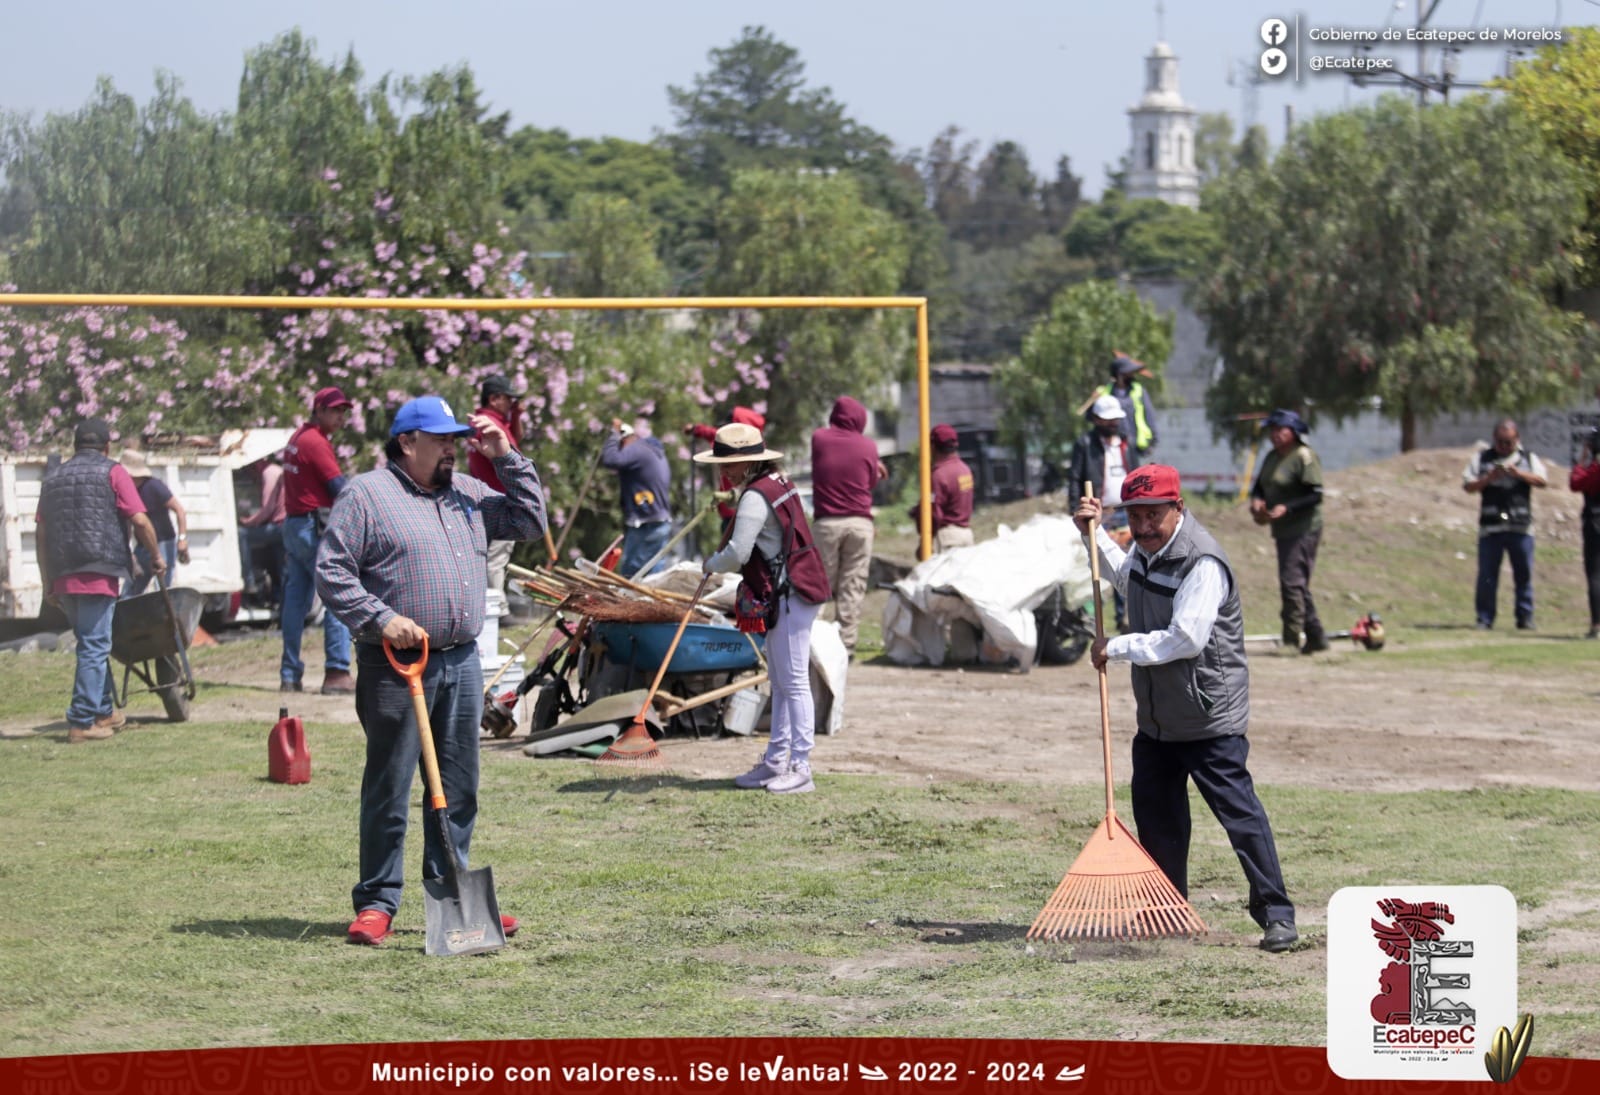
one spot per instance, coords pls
(1151, 484)
(750, 417)
(330, 397)
(943, 436)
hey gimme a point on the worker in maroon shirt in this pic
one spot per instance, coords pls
(498, 403)
(952, 492)
(311, 481)
(844, 469)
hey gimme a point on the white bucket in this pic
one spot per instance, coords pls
(489, 638)
(743, 711)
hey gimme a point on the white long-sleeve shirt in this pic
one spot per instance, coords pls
(1194, 606)
(754, 526)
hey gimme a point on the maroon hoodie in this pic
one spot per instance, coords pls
(844, 463)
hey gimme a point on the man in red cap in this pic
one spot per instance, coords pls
(499, 403)
(311, 481)
(1191, 684)
(952, 492)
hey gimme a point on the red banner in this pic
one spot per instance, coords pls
(714, 1066)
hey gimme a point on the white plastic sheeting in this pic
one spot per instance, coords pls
(994, 586)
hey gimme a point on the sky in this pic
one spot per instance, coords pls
(1055, 76)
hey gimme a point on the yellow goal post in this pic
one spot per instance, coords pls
(543, 304)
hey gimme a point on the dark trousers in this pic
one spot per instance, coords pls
(1297, 557)
(1161, 774)
(1491, 547)
(452, 686)
(1591, 567)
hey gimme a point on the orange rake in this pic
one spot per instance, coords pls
(1113, 890)
(636, 749)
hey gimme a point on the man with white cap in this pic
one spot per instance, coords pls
(1102, 459)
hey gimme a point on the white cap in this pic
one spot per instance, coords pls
(625, 430)
(1108, 407)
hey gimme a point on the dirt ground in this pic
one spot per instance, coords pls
(1344, 721)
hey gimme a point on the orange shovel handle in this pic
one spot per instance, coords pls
(430, 760)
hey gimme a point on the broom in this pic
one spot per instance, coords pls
(1113, 890)
(636, 748)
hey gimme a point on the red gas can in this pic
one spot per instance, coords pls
(288, 757)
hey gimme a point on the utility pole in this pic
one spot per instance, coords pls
(1422, 80)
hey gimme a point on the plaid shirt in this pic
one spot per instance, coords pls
(393, 549)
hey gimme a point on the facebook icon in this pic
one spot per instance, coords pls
(1274, 32)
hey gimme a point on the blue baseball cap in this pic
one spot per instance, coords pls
(427, 413)
(1285, 417)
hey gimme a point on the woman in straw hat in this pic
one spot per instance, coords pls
(784, 587)
(167, 515)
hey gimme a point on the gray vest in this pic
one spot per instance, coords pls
(84, 533)
(1207, 696)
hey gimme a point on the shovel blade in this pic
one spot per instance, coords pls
(463, 916)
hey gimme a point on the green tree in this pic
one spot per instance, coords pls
(1400, 254)
(1141, 236)
(785, 233)
(608, 250)
(1005, 208)
(1213, 145)
(1064, 357)
(754, 110)
(1559, 93)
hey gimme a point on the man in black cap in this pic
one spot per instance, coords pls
(86, 506)
(1288, 496)
(1139, 421)
(500, 404)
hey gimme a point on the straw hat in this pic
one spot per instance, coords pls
(133, 460)
(735, 443)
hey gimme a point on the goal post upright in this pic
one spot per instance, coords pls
(544, 304)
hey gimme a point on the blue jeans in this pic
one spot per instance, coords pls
(453, 688)
(169, 554)
(93, 693)
(639, 546)
(300, 551)
(1491, 546)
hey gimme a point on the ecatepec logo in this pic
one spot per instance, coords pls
(1419, 979)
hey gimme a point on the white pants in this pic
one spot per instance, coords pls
(794, 716)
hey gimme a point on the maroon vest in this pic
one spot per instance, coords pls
(797, 570)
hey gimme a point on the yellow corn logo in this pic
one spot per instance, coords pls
(964, 482)
(1509, 1050)
(644, 497)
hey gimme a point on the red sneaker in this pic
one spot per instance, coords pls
(509, 925)
(369, 928)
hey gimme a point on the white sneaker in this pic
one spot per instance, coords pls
(795, 781)
(758, 777)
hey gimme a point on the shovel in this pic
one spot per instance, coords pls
(463, 916)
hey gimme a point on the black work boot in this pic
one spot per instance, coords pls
(1316, 640)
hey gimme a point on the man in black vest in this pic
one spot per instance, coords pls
(86, 505)
(1191, 684)
(1504, 474)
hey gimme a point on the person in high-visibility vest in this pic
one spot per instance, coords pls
(1139, 425)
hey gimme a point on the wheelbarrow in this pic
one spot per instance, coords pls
(150, 636)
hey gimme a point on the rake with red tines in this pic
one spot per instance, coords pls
(635, 749)
(1113, 890)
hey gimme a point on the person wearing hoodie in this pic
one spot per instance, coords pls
(844, 469)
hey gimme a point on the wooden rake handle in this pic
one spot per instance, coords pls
(1099, 634)
(705, 580)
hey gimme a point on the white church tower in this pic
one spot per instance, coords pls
(1161, 161)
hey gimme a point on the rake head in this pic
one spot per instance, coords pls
(1114, 890)
(634, 751)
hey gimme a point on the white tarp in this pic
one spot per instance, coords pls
(995, 586)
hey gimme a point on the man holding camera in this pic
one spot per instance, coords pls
(1504, 474)
(1585, 479)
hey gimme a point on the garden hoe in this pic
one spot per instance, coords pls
(1113, 890)
(463, 916)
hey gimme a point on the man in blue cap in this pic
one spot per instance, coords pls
(404, 558)
(1288, 496)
